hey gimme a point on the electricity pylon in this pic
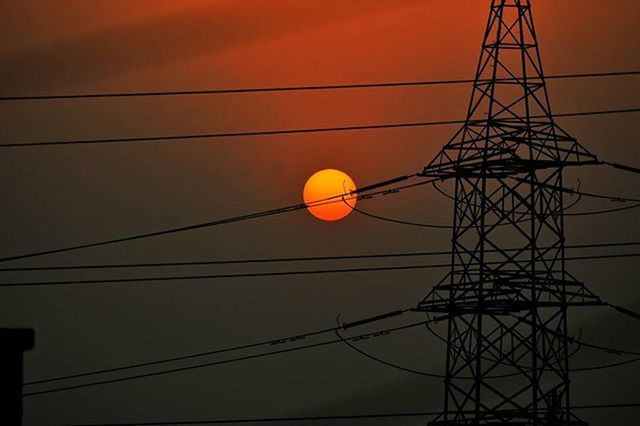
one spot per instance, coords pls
(506, 296)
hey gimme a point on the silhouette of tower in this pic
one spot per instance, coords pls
(506, 295)
(13, 342)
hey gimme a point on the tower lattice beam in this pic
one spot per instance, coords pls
(507, 358)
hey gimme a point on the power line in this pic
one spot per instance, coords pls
(624, 167)
(601, 196)
(585, 344)
(625, 311)
(606, 348)
(566, 190)
(273, 273)
(401, 222)
(280, 259)
(571, 339)
(595, 212)
(329, 418)
(295, 88)
(234, 134)
(243, 358)
(613, 198)
(424, 373)
(285, 131)
(387, 363)
(226, 262)
(226, 361)
(268, 419)
(442, 226)
(227, 276)
(598, 406)
(291, 339)
(295, 207)
(604, 366)
(270, 342)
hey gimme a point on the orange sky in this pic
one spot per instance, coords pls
(55, 197)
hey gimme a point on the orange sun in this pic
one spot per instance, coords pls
(328, 183)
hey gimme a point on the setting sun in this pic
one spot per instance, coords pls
(328, 183)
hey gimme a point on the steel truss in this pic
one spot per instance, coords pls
(507, 356)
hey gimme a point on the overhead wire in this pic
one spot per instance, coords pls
(329, 200)
(226, 276)
(110, 281)
(314, 130)
(411, 370)
(260, 355)
(223, 262)
(442, 226)
(604, 211)
(336, 330)
(221, 362)
(291, 339)
(625, 311)
(361, 194)
(297, 88)
(357, 128)
(424, 373)
(328, 418)
(571, 339)
(283, 259)
(380, 360)
(275, 341)
(614, 198)
(573, 192)
(624, 167)
(400, 221)
(605, 366)
(580, 342)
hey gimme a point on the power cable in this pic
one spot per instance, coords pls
(282, 259)
(399, 221)
(572, 339)
(268, 419)
(287, 131)
(330, 418)
(280, 341)
(273, 273)
(226, 262)
(580, 342)
(297, 88)
(625, 311)
(228, 276)
(328, 200)
(381, 361)
(441, 226)
(604, 366)
(226, 361)
(500, 376)
(573, 192)
(613, 198)
(271, 342)
(624, 167)
(596, 212)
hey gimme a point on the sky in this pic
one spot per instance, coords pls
(59, 196)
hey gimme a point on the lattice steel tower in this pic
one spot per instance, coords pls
(506, 296)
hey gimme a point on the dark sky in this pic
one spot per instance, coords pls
(53, 197)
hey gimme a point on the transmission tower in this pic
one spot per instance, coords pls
(507, 358)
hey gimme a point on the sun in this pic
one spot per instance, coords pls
(328, 183)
